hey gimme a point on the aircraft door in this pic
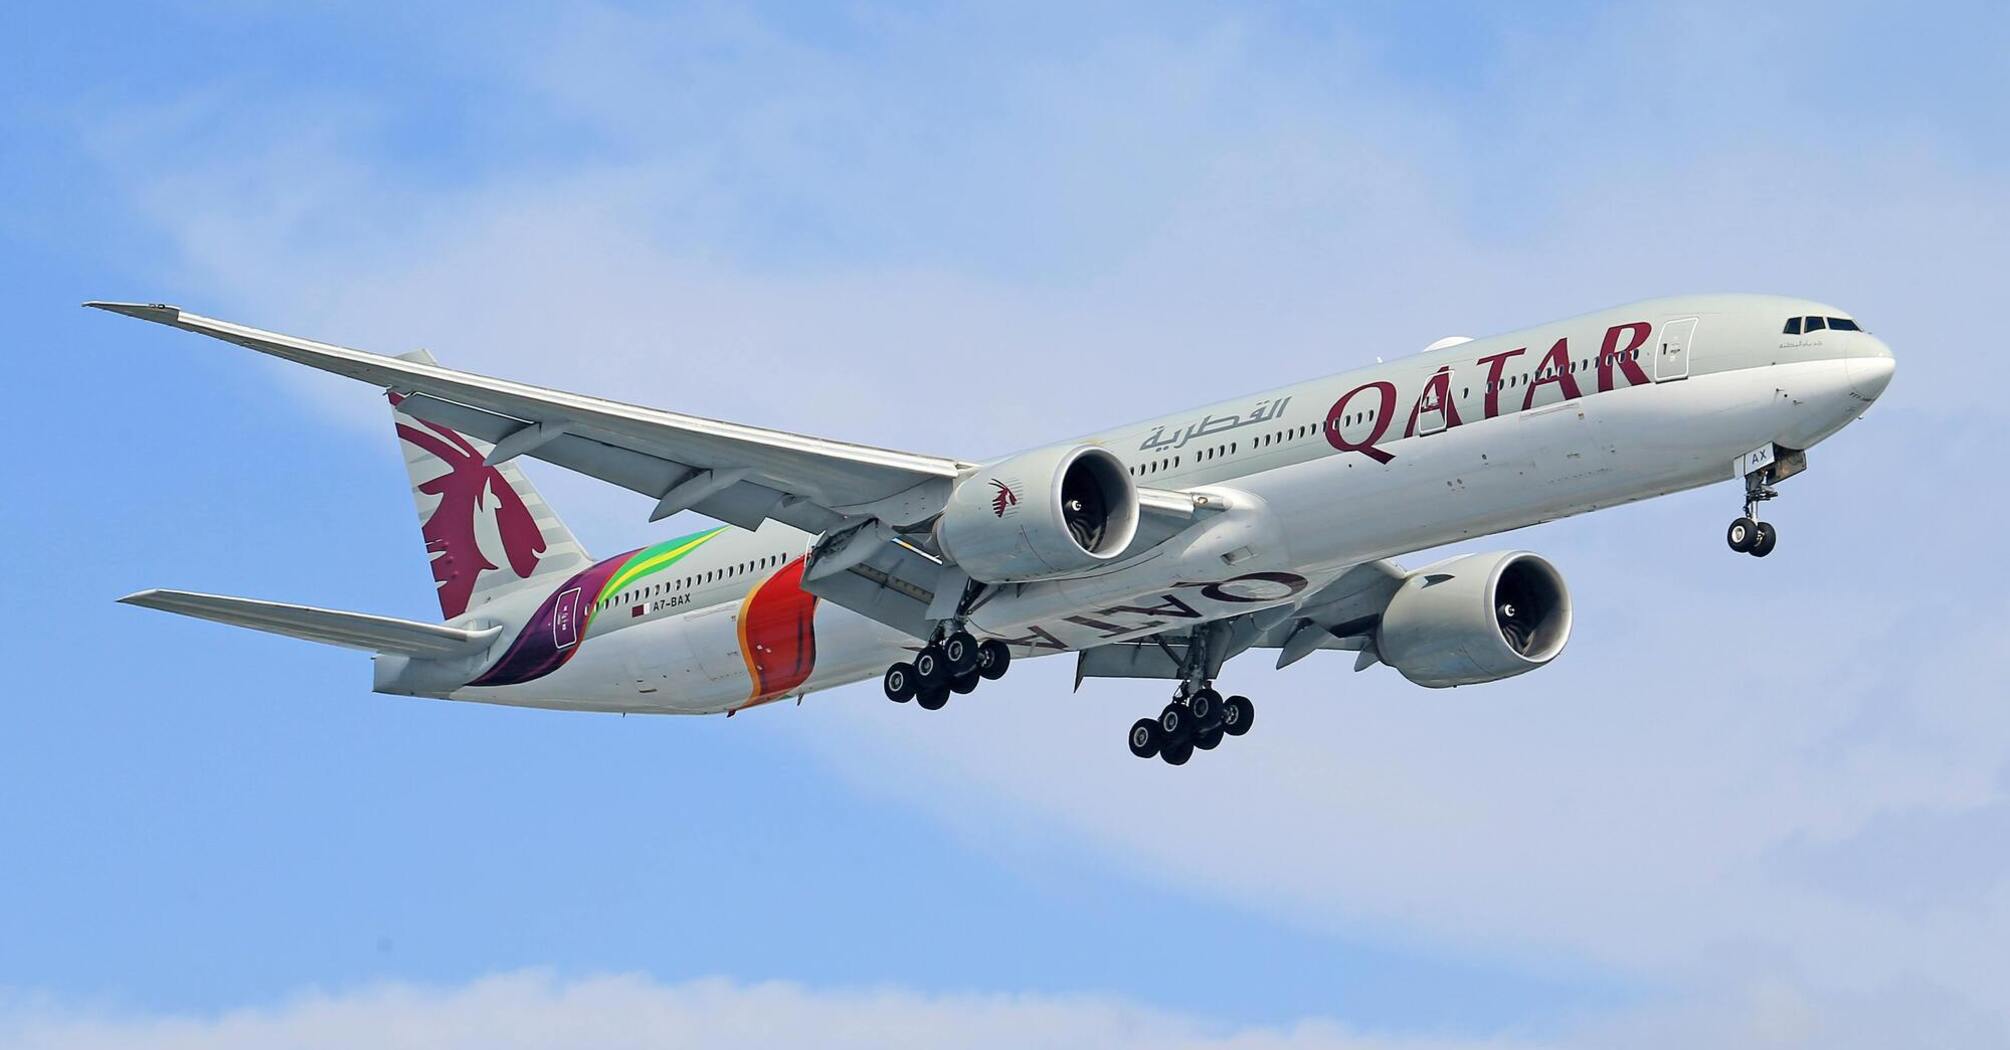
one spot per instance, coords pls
(1432, 408)
(566, 620)
(1671, 349)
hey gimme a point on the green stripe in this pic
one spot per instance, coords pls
(655, 559)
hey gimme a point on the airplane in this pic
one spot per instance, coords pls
(1157, 550)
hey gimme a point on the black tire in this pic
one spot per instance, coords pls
(1766, 538)
(1144, 738)
(1237, 714)
(964, 684)
(993, 657)
(932, 697)
(898, 683)
(1176, 725)
(959, 654)
(1176, 754)
(929, 667)
(1742, 534)
(1208, 739)
(1205, 706)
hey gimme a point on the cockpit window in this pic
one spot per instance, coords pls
(1843, 324)
(1793, 326)
(1815, 324)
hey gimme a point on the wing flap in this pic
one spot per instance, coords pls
(380, 634)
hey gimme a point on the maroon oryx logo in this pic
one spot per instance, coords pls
(469, 488)
(1004, 498)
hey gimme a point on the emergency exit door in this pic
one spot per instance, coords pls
(1671, 350)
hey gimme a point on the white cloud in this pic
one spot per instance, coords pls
(532, 1010)
(527, 1011)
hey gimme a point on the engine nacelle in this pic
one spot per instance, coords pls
(1478, 618)
(1041, 514)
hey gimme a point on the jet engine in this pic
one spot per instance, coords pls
(1478, 618)
(1041, 514)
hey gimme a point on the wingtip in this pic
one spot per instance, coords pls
(145, 597)
(143, 311)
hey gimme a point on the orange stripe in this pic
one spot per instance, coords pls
(778, 634)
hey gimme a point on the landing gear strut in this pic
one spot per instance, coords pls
(953, 661)
(1197, 718)
(1747, 534)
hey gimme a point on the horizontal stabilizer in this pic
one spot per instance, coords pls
(378, 634)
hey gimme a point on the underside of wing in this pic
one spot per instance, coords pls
(1341, 615)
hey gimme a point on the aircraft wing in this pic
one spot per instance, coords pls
(729, 471)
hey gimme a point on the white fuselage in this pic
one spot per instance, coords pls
(1465, 440)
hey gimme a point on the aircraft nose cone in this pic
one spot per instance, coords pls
(1870, 366)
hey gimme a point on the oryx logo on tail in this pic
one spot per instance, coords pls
(473, 499)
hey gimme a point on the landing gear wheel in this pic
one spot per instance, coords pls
(1742, 534)
(1176, 754)
(1208, 739)
(1144, 739)
(959, 653)
(963, 684)
(932, 697)
(1205, 707)
(1176, 725)
(1237, 714)
(993, 656)
(1765, 536)
(929, 667)
(899, 683)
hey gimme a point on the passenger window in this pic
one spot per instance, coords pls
(1793, 326)
(1843, 324)
(1814, 324)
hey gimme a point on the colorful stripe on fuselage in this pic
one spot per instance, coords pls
(559, 626)
(778, 634)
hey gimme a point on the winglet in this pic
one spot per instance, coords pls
(160, 313)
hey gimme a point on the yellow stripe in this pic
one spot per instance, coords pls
(628, 575)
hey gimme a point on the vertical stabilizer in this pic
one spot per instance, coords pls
(487, 530)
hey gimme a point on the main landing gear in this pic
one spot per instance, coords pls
(1198, 717)
(1747, 534)
(952, 662)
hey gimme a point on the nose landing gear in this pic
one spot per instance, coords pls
(1762, 468)
(1747, 534)
(1755, 538)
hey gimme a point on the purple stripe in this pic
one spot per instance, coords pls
(536, 652)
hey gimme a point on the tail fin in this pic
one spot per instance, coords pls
(487, 530)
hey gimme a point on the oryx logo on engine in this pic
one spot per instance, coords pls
(1005, 498)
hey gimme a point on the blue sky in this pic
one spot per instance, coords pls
(1756, 803)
